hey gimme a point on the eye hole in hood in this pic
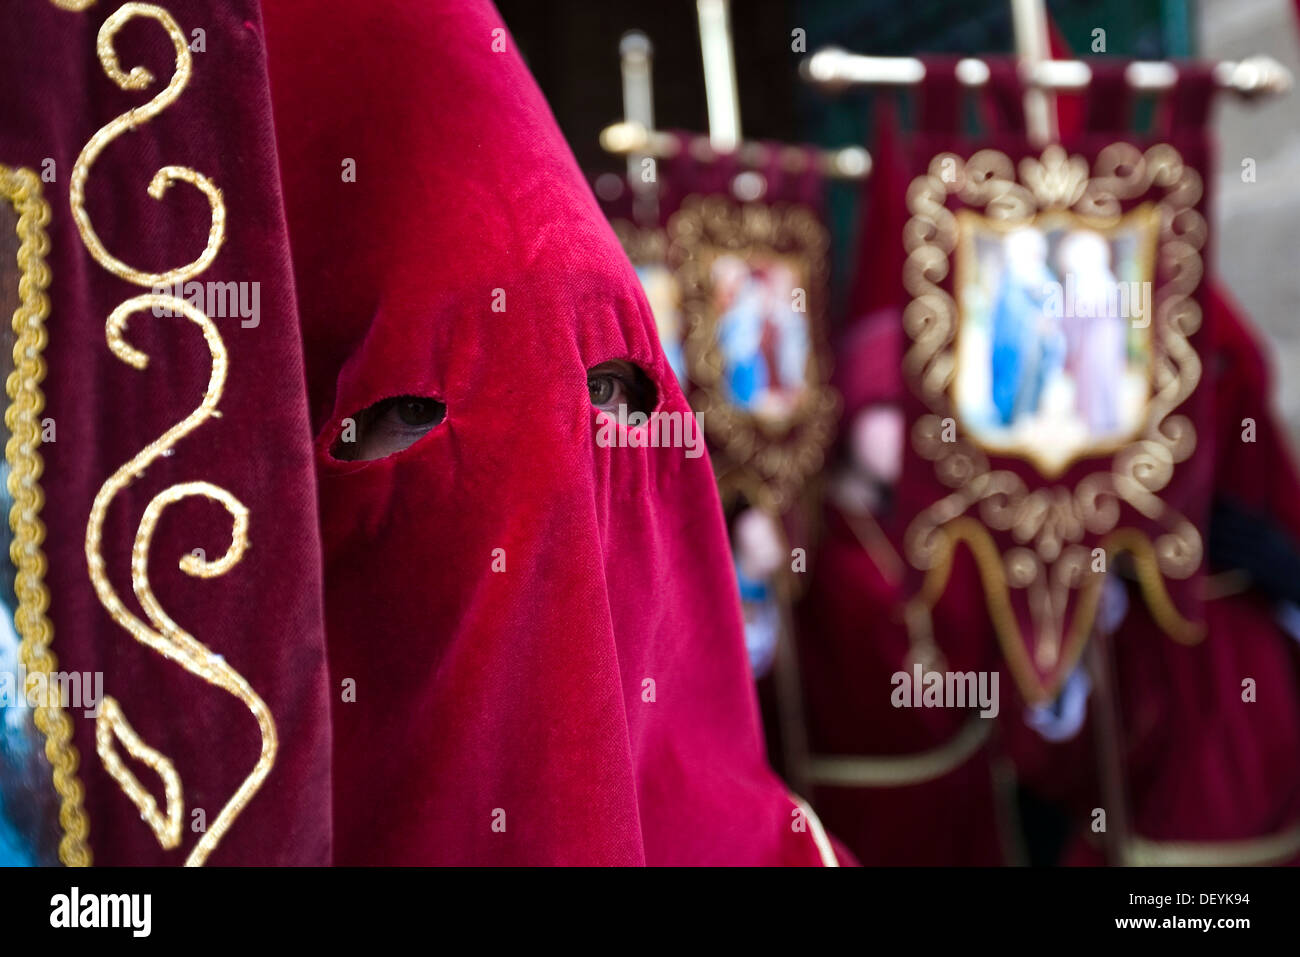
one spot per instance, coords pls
(620, 382)
(386, 427)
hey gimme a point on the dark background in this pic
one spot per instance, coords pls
(572, 49)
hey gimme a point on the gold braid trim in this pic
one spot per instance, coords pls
(22, 189)
(977, 538)
(1272, 849)
(166, 637)
(900, 770)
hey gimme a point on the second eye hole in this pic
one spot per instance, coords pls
(620, 383)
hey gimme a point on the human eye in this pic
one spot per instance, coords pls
(619, 383)
(389, 426)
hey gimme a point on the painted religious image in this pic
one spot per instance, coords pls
(762, 332)
(665, 297)
(1053, 351)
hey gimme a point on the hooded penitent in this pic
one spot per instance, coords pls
(535, 639)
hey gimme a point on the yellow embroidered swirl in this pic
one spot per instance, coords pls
(139, 79)
(166, 637)
(162, 634)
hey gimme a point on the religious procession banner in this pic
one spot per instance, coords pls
(1051, 299)
(734, 259)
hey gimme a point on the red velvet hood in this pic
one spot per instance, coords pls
(587, 701)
